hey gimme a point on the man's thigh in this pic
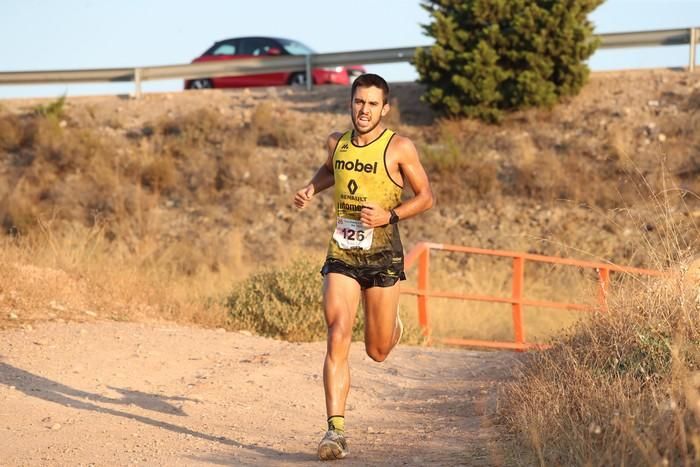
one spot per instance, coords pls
(380, 305)
(341, 296)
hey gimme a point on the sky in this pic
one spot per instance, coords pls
(87, 34)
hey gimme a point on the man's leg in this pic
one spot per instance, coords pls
(341, 296)
(382, 329)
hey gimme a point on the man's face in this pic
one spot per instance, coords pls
(367, 108)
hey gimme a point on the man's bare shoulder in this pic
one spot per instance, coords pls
(402, 146)
(333, 139)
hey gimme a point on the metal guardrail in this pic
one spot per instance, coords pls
(684, 36)
(211, 69)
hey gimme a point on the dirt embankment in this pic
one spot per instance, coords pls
(543, 181)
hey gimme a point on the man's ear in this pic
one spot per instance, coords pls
(386, 109)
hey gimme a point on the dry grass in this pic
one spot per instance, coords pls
(621, 388)
(151, 225)
(76, 273)
(534, 154)
(461, 163)
(274, 127)
(84, 207)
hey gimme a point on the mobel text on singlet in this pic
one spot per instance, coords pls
(357, 166)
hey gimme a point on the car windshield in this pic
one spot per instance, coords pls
(295, 48)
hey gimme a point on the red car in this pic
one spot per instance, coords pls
(246, 47)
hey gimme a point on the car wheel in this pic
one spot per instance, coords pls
(201, 84)
(298, 79)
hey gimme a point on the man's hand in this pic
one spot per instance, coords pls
(372, 215)
(303, 196)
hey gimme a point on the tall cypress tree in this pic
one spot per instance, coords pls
(492, 56)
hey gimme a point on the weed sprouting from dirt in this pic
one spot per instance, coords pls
(53, 109)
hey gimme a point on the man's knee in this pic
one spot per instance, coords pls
(377, 353)
(339, 336)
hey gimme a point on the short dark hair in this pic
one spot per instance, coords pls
(367, 80)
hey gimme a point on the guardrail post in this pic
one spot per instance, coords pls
(603, 284)
(309, 77)
(518, 286)
(693, 43)
(423, 284)
(137, 83)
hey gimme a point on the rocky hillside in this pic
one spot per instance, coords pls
(197, 182)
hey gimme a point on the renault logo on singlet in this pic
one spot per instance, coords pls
(352, 187)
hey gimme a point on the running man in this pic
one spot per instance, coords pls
(368, 166)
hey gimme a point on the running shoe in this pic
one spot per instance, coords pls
(332, 446)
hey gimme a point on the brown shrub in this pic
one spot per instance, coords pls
(274, 127)
(11, 132)
(237, 162)
(470, 159)
(693, 102)
(539, 178)
(460, 161)
(620, 147)
(18, 214)
(199, 126)
(185, 144)
(621, 387)
(159, 174)
(613, 392)
(67, 149)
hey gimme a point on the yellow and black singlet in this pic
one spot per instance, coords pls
(361, 177)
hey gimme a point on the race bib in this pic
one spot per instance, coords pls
(350, 233)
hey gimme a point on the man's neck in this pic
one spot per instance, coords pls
(363, 139)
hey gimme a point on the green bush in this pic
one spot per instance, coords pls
(284, 303)
(54, 109)
(495, 55)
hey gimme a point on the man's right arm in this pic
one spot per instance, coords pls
(322, 179)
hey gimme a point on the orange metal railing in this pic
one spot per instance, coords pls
(421, 255)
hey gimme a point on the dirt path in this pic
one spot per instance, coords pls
(113, 393)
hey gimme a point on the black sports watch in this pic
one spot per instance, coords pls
(394, 217)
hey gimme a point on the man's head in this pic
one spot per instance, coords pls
(368, 80)
(368, 103)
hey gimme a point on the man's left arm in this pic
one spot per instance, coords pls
(406, 155)
(416, 177)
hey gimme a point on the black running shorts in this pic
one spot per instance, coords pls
(366, 276)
